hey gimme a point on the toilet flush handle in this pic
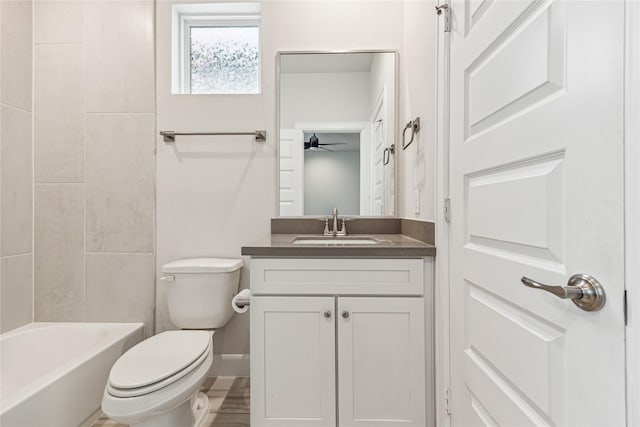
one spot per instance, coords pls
(169, 278)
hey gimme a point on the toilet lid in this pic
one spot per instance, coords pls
(158, 358)
(202, 265)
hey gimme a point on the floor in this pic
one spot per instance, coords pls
(228, 398)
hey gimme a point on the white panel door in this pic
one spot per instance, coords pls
(377, 181)
(536, 190)
(291, 172)
(381, 362)
(293, 362)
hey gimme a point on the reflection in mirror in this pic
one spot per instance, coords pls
(337, 127)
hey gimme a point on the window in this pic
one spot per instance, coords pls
(219, 49)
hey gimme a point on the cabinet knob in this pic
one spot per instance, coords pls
(327, 314)
(345, 314)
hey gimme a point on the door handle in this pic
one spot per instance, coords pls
(585, 291)
(386, 154)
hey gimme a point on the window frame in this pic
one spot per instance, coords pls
(191, 20)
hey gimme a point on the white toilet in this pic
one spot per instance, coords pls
(157, 382)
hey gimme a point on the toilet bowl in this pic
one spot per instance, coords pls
(157, 382)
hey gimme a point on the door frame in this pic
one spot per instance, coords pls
(442, 291)
(632, 205)
(631, 224)
(361, 128)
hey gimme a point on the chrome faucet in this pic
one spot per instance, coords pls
(335, 232)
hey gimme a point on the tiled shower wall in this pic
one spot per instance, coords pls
(94, 161)
(16, 182)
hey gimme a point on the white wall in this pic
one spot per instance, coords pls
(331, 180)
(324, 97)
(383, 72)
(16, 169)
(215, 194)
(417, 170)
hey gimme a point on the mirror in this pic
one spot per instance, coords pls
(337, 126)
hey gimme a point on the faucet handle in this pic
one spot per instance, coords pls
(343, 228)
(326, 227)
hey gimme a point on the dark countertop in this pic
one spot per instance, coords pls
(391, 246)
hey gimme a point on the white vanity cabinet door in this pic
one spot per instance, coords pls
(381, 361)
(293, 362)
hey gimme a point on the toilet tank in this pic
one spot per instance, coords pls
(199, 291)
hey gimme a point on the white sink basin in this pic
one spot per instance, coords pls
(330, 241)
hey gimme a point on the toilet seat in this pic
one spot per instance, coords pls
(158, 362)
(131, 410)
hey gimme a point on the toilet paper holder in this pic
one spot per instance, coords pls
(241, 301)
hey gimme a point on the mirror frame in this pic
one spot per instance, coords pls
(396, 109)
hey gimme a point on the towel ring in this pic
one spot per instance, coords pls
(414, 125)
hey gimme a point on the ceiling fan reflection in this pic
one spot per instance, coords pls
(314, 143)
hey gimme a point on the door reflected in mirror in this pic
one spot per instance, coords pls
(337, 126)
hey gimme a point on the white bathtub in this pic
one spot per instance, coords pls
(54, 374)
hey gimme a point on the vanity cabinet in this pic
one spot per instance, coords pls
(293, 369)
(338, 342)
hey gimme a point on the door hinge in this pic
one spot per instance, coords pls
(447, 401)
(625, 308)
(445, 11)
(447, 209)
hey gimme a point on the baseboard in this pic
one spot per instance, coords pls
(230, 365)
(92, 418)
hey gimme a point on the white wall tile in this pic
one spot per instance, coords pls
(120, 182)
(120, 288)
(17, 182)
(119, 41)
(58, 21)
(16, 53)
(59, 252)
(16, 291)
(59, 113)
(1, 180)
